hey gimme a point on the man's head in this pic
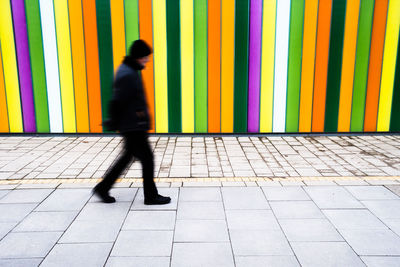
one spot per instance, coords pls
(140, 51)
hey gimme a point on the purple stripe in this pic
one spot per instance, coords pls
(24, 66)
(254, 65)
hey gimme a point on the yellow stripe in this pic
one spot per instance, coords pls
(349, 59)
(118, 31)
(267, 66)
(65, 65)
(389, 66)
(10, 68)
(160, 65)
(227, 64)
(187, 64)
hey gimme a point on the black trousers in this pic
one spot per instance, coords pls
(135, 145)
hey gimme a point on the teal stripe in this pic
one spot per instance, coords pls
(361, 67)
(335, 65)
(37, 65)
(200, 65)
(395, 118)
(174, 67)
(241, 65)
(294, 65)
(105, 53)
(131, 22)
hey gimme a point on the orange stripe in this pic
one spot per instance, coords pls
(146, 34)
(79, 66)
(118, 31)
(349, 59)
(214, 66)
(321, 65)
(92, 65)
(3, 102)
(375, 65)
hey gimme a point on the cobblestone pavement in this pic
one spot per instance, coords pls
(57, 224)
(223, 156)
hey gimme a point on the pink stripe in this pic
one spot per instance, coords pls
(254, 65)
(24, 66)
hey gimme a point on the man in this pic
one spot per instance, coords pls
(129, 115)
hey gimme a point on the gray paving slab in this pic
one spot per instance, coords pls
(372, 242)
(150, 220)
(325, 254)
(270, 261)
(143, 243)
(201, 211)
(200, 194)
(373, 261)
(33, 262)
(5, 228)
(100, 212)
(28, 245)
(371, 192)
(285, 193)
(251, 219)
(202, 254)
(354, 219)
(296, 210)
(259, 242)
(26, 196)
(3, 193)
(138, 203)
(201, 231)
(138, 261)
(384, 209)
(332, 197)
(244, 198)
(393, 224)
(78, 255)
(46, 221)
(309, 230)
(15, 212)
(65, 200)
(394, 188)
(120, 194)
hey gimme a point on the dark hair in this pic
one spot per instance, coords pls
(139, 49)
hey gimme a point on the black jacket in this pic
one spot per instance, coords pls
(128, 107)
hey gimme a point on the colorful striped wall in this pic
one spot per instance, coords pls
(219, 66)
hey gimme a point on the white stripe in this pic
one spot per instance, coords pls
(51, 63)
(281, 62)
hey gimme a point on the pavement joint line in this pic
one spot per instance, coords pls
(201, 180)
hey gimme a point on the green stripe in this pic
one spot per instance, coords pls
(395, 118)
(37, 65)
(131, 22)
(174, 67)
(335, 65)
(294, 68)
(200, 65)
(105, 53)
(361, 67)
(241, 65)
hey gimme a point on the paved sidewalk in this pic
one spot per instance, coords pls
(223, 156)
(57, 224)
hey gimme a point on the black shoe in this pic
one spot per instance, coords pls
(158, 200)
(103, 195)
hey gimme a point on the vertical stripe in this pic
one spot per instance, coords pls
(335, 66)
(375, 65)
(10, 68)
(395, 118)
(65, 65)
(308, 64)
(281, 64)
(214, 66)
(146, 34)
(92, 65)
(227, 65)
(24, 68)
(294, 68)
(174, 67)
(37, 66)
(187, 65)
(389, 66)
(200, 65)
(321, 65)
(51, 65)
(267, 65)
(361, 68)
(131, 22)
(254, 65)
(3, 102)
(241, 65)
(105, 53)
(160, 65)
(79, 65)
(118, 31)
(349, 58)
